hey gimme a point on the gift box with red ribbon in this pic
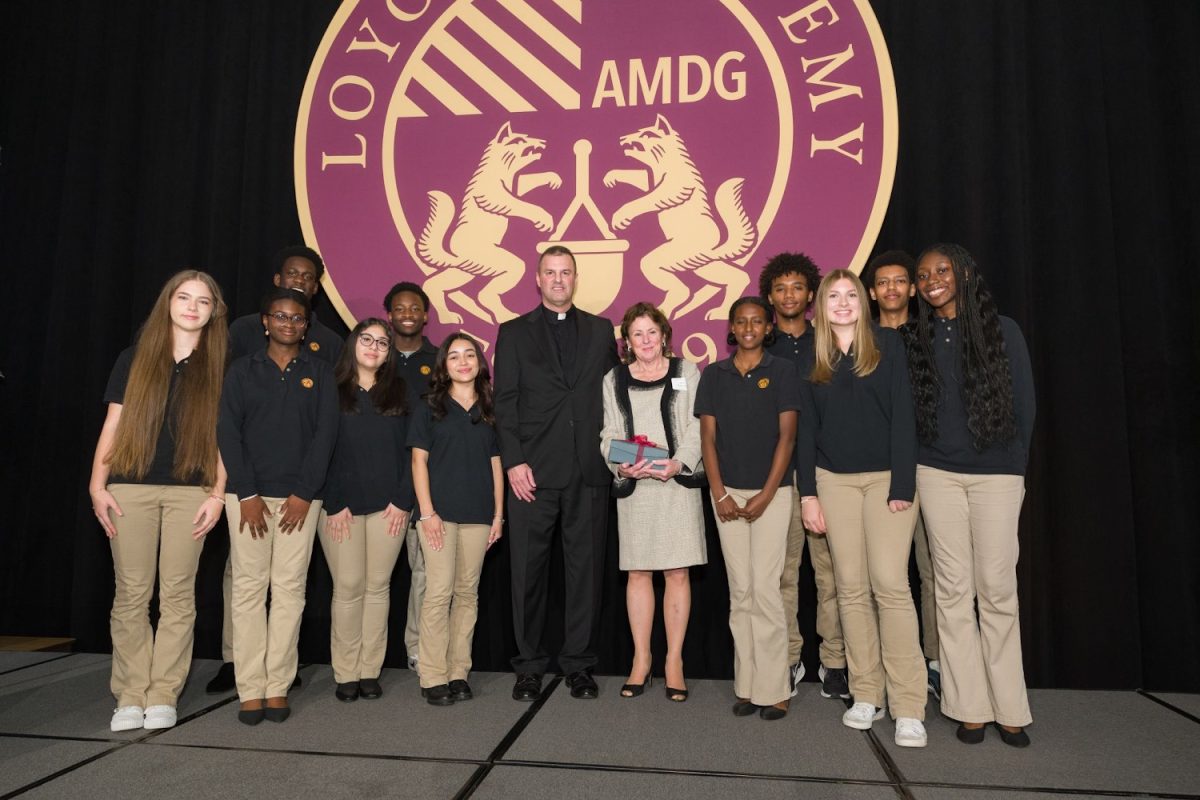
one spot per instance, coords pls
(631, 451)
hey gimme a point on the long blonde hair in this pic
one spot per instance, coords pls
(194, 421)
(866, 352)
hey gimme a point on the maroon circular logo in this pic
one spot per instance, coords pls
(672, 146)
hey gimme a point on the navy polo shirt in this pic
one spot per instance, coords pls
(460, 461)
(370, 466)
(277, 428)
(417, 370)
(797, 349)
(163, 462)
(246, 336)
(747, 410)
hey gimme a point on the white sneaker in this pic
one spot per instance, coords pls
(126, 718)
(860, 716)
(158, 717)
(910, 732)
(795, 675)
(412, 664)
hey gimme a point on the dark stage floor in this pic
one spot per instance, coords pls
(55, 743)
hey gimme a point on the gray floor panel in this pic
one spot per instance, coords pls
(943, 793)
(1090, 741)
(23, 761)
(10, 660)
(146, 771)
(400, 723)
(1185, 702)
(71, 698)
(540, 783)
(701, 734)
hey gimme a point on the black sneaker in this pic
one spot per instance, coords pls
(834, 682)
(438, 695)
(223, 681)
(935, 679)
(460, 691)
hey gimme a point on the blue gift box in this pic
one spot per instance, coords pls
(624, 451)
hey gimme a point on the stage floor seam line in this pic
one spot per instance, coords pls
(325, 753)
(514, 733)
(36, 663)
(66, 770)
(694, 773)
(1171, 706)
(1050, 790)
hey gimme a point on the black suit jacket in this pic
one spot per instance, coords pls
(544, 419)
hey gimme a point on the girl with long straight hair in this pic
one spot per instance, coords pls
(974, 395)
(747, 408)
(367, 499)
(156, 488)
(856, 462)
(459, 485)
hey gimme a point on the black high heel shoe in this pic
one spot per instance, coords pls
(636, 689)
(677, 695)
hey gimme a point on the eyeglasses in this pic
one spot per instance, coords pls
(295, 319)
(367, 340)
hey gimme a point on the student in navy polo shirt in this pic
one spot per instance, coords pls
(856, 462)
(156, 489)
(788, 283)
(277, 427)
(298, 268)
(460, 490)
(367, 500)
(973, 385)
(747, 407)
(407, 307)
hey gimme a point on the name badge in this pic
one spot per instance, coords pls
(679, 384)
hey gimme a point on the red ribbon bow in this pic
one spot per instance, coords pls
(642, 442)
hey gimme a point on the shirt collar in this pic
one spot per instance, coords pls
(727, 363)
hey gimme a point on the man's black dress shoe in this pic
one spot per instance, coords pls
(347, 692)
(460, 690)
(583, 685)
(970, 735)
(369, 689)
(438, 695)
(528, 687)
(223, 681)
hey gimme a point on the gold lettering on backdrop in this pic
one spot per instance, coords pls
(373, 44)
(809, 13)
(359, 159)
(346, 113)
(836, 90)
(694, 79)
(700, 348)
(855, 135)
(406, 16)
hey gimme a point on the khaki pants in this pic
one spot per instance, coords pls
(754, 554)
(361, 566)
(829, 624)
(870, 558)
(929, 632)
(227, 607)
(154, 536)
(972, 523)
(264, 644)
(451, 603)
(416, 591)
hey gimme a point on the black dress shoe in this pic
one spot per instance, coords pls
(771, 713)
(583, 685)
(970, 735)
(528, 687)
(369, 689)
(347, 692)
(223, 681)
(744, 708)
(297, 681)
(460, 691)
(1018, 739)
(438, 695)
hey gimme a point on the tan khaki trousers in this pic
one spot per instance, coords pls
(972, 522)
(155, 536)
(416, 591)
(227, 608)
(264, 643)
(451, 603)
(870, 559)
(361, 566)
(754, 553)
(929, 633)
(829, 624)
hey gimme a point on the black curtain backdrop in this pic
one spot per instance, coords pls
(1056, 140)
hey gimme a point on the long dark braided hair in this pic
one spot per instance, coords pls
(986, 378)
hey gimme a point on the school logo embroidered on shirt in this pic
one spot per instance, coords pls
(764, 383)
(314, 346)
(425, 370)
(307, 383)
